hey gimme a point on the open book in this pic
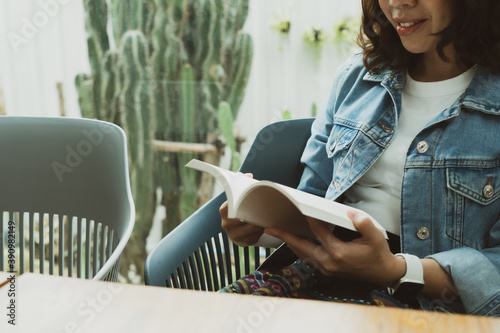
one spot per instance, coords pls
(269, 204)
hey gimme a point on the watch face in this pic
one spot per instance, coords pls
(408, 290)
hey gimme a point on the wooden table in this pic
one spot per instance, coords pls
(56, 304)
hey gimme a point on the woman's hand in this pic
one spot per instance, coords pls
(366, 258)
(241, 233)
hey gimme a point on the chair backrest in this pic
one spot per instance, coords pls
(64, 187)
(198, 254)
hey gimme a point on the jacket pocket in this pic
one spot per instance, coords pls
(340, 140)
(472, 204)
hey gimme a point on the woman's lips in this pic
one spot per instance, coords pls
(408, 28)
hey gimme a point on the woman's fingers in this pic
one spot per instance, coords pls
(241, 233)
(308, 251)
(324, 235)
(365, 226)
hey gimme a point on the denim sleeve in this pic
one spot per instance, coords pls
(318, 170)
(476, 275)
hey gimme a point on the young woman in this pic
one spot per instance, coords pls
(411, 135)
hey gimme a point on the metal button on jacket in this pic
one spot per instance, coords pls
(422, 147)
(423, 233)
(488, 191)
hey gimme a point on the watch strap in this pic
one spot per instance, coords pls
(413, 280)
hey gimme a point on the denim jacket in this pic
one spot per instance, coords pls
(450, 206)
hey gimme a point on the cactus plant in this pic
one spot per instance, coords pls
(135, 104)
(85, 87)
(187, 108)
(111, 87)
(172, 66)
(195, 33)
(226, 121)
(97, 44)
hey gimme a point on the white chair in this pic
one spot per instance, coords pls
(64, 189)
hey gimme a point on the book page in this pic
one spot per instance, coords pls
(268, 241)
(234, 184)
(313, 206)
(266, 206)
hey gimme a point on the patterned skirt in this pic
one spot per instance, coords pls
(299, 280)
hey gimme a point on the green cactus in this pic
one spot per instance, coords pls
(98, 44)
(111, 87)
(187, 104)
(226, 121)
(240, 70)
(220, 55)
(85, 88)
(127, 15)
(187, 107)
(176, 72)
(135, 103)
(96, 20)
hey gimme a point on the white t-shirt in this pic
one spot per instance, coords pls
(378, 192)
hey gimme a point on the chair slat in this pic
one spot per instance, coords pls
(246, 260)
(199, 270)
(51, 244)
(87, 248)
(95, 248)
(70, 261)
(79, 246)
(41, 247)
(237, 262)
(168, 282)
(31, 244)
(210, 266)
(22, 244)
(193, 273)
(102, 248)
(60, 252)
(181, 277)
(111, 242)
(220, 263)
(187, 275)
(175, 281)
(227, 259)
(256, 252)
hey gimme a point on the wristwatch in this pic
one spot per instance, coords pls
(410, 285)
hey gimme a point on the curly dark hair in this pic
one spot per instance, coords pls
(474, 32)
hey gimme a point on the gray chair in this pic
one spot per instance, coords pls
(198, 254)
(64, 188)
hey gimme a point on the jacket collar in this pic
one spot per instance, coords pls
(482, 93)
